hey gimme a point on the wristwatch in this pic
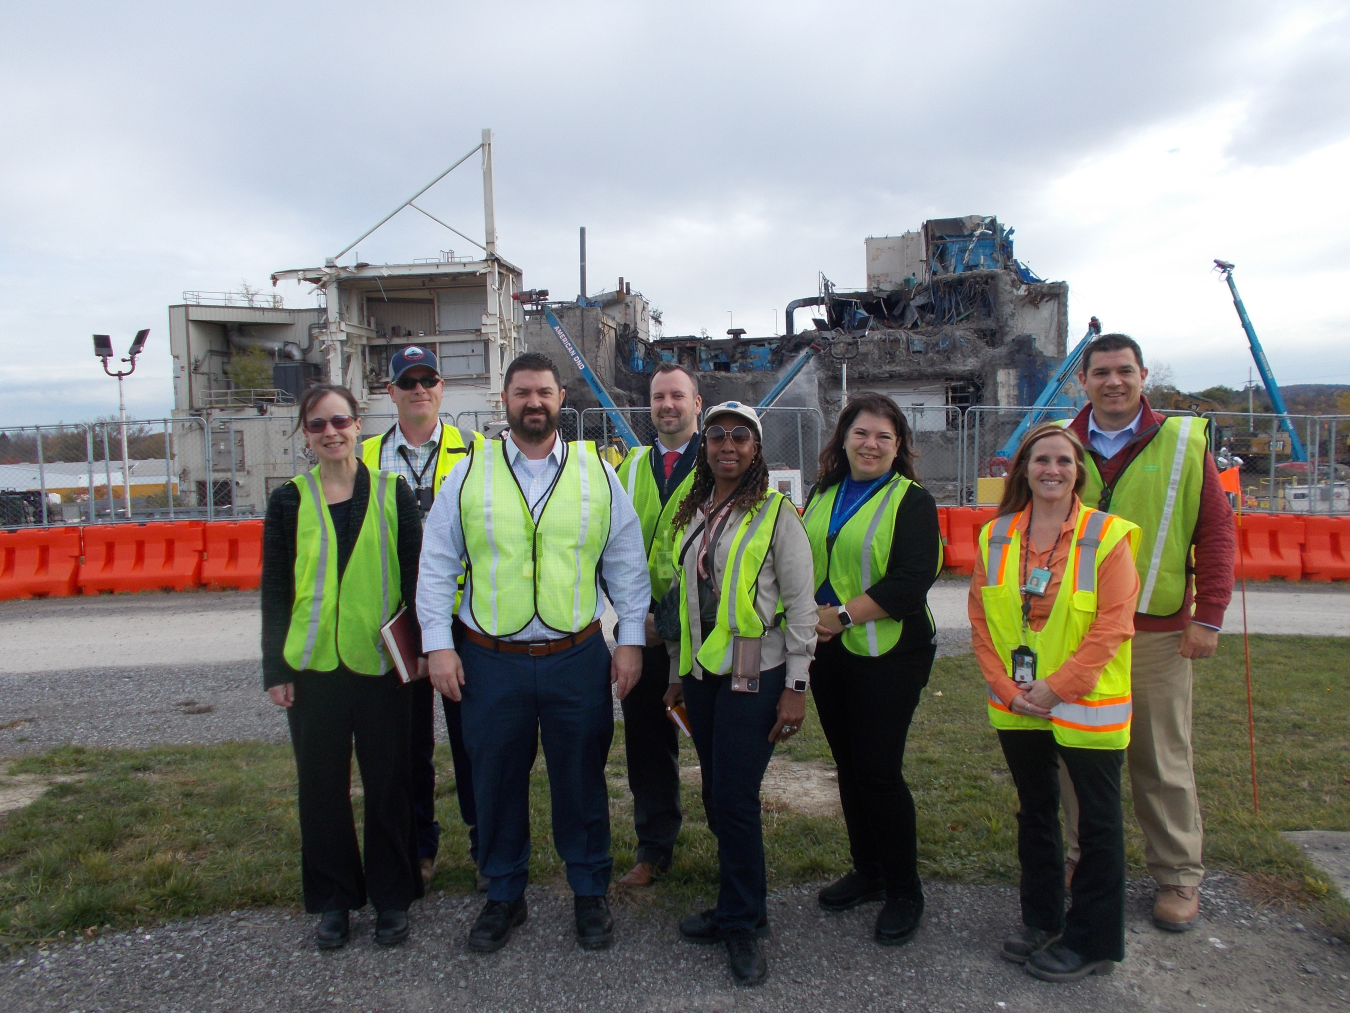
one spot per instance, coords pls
(845, 620)
(799, 684)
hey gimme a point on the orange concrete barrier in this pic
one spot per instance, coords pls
(141, 557)
(963, 536)
(1271, 545)
(233, 554)
(37, 562)
(1326, 548)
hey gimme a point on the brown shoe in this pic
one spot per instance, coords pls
(428, 870)
(1070, 865)
(1177, 907)
(642, 874)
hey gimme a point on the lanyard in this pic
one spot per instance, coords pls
(419, 475)
(705, 569)
(837, 521)
(1049, 563)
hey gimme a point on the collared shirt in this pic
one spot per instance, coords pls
(623, 562)
(662, 449)
(1117, 591)
(392, 460)
(1111, 443)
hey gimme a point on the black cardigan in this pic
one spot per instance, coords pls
(278, 562)
(913, 569)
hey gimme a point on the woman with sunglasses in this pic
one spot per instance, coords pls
(340, 553)
(1052, 612)
(747, 632)
(877, 550)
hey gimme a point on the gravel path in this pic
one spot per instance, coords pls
(1238, 958)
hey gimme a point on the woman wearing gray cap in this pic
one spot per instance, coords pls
(747, 635)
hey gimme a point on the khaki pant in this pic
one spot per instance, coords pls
(1162, 773)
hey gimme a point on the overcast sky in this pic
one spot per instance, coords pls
(719, 154)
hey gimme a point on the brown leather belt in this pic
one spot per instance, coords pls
(538, 650)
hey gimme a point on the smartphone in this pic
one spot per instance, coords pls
(680, 717)
(745, 665)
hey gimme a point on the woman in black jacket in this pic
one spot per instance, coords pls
(877, 550)
(340, 552)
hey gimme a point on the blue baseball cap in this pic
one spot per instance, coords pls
(406, 358)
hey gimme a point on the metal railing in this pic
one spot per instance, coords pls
(258, 299)
(246, 397)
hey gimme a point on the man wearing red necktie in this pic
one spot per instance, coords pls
(656, 479)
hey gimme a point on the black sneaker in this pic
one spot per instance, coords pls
(748, 966)
(595, 925)
(703, 928)
(898, 920)
(333, 930)
(495, 923)
(1024, 942)
(1059, 963)
(391, 928)
(849, 892)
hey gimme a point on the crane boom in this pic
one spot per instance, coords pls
(1262, 366)
(597, 388)
(1051, 391)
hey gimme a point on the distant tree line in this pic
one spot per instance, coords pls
(67, 443)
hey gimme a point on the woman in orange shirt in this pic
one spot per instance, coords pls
(1052, 611)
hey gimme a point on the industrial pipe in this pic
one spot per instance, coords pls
(797, 304)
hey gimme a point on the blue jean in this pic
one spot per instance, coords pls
(731, 734)
(512, 702)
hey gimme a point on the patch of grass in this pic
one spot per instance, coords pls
(179, 831)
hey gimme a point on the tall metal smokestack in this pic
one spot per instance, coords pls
(583, 262)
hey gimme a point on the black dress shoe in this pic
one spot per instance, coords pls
(495, 923)
(849, 892)
(703, 928)
(1059, 963)
(898, 920)
(333, 930)
(748, 966)
(595, 925)
(391, 928)
(1024, 942)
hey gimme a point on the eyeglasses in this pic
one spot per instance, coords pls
(339, 422)
(409, 382)
(740, 436)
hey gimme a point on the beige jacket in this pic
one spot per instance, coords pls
(788, 573)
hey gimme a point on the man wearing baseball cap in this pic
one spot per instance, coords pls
(423, 449)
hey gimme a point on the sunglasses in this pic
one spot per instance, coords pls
(740, 436)
(339, 422)
(409, 382)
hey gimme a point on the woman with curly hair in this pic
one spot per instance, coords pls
(747, 635)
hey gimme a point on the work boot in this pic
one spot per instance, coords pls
(898, 920)
(703, 928)
(496, 922)
(642, 874)
(391, 927)
(1059, 963)
(748, 966)
(1024, 942)
(1176, 907)
(850, 891)
(595, 925)
(333, 930)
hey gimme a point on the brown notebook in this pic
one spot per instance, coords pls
(404, 643)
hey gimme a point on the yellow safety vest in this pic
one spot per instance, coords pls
(858, 557)
(1101, 719)
(658, 537)
(451, 452)
(337, 621)
(736, 614)
(519, 569)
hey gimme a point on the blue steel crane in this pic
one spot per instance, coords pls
(1051, 391)
(1262, 366)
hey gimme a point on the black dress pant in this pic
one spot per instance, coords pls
(652, 745)
(865, 707)
(1095, 925)
(331, 710)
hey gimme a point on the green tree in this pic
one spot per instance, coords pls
(250, 370)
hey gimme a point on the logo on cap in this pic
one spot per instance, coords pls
(412, 353)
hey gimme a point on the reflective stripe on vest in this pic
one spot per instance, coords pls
(520, 570)
(1160, 491)
(736, 613)
(452, 451)
(860, 554)
(635, 475)
(337, 621)
(1100, 719)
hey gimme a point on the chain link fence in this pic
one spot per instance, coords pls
(1271, 478)
(936, 432)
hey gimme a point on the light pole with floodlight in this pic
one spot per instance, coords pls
(104, 350)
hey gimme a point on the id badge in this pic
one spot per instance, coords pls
(1038, 582)
(1024, 666)
(425, 498)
